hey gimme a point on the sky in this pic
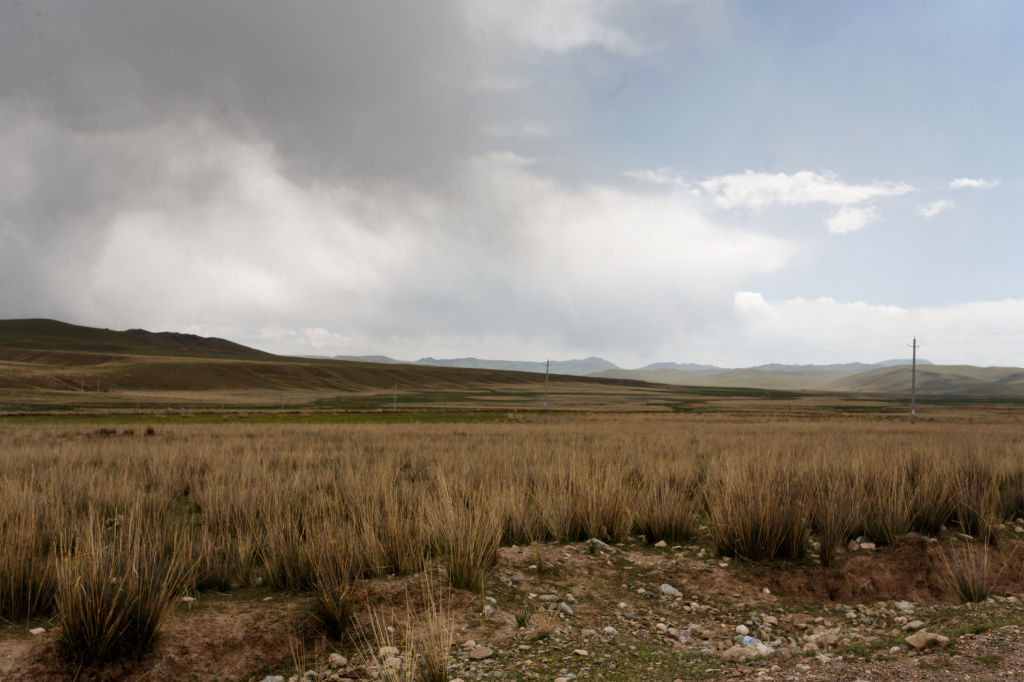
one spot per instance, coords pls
(729, 182)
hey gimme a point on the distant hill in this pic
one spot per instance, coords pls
(585, 367)
(948, 380)
(56, 356)
(890, 376)
(42, 334)
(579, 368)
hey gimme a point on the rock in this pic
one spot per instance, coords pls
(469, 644)
(488, 610)
(480, 653)
(588, 633)
(273, 678)
(737, 654)
(37, 631)
(188, 600)
(668, 590)
(516, 578)
(548, 597)
(923, 638)
(742, 630)
(565, 608)
(581, 652)
(387, 652)
(904, 606)
(867, 545)
(392, 662)
(894, 649)
(595, 541)
(913, 625)
(853, 545)
(661, 543)
(610, 631)
(337, 661)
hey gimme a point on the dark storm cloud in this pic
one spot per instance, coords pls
(378, 88)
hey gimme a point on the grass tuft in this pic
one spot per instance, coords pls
(114, 589)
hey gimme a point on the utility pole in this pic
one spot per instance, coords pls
(913, 382)
(547, 371)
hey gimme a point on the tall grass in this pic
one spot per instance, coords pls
(115, 586)
(756, 510)
(317, 507)
(27, 553)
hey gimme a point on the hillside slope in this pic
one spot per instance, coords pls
(42, 334)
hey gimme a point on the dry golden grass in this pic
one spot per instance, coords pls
(317, 507)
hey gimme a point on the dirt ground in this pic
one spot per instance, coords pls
(629, 612)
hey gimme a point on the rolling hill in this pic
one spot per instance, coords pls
(52, 355)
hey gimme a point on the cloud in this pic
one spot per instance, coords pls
(973, 183)
(757, 191)
(507, 130)
(825, 330)
(934, 208)
(217, 237)
(657, 176)
(557, 26)
(851, 219)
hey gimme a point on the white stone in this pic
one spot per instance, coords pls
(610, 631)
(581, 652)
(37, 631)
(668, 590)
(337, 661)
(661, 543)
(387, 652)
(742, 629)
(480, 653)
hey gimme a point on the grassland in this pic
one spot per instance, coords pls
(307, 507)
(317, 513)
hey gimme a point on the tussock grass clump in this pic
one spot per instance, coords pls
(27, 555)
(835, 507)
(333, 583)
(432, 640)
(115, 587)
(468, 535)
(665, 505)
(756, 510)
(970, 573)
(888, 510)
(977, 500)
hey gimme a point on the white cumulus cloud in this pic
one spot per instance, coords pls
(756, 191)
(934, 208)
(826, 330)
(851, 219)
(973, 183)
(657, 176)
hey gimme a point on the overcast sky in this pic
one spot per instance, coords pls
(718, 181)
